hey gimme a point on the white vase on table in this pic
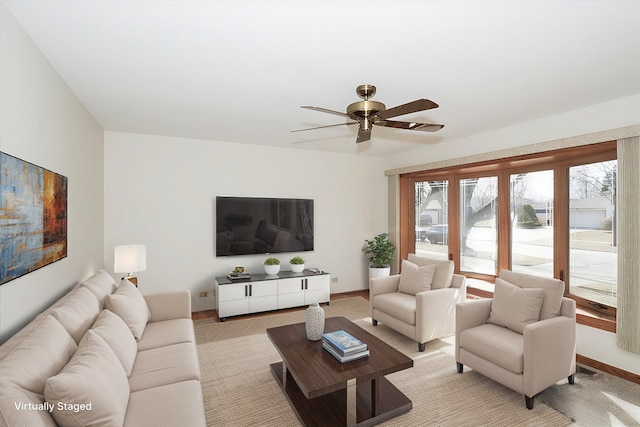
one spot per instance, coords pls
(314, 322)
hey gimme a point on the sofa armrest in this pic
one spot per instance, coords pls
(470, 314)
(549, 350)
(169, 305)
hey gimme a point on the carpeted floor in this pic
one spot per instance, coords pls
(239, 390)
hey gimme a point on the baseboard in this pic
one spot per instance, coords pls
(608, 369)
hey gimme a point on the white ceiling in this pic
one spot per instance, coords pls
(239, 71)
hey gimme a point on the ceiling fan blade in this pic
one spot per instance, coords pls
(327, 126)
(410, 107)
(363, 135)
(325, 110)
(425, 127)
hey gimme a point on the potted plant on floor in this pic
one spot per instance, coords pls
(272, 266)
(297, 264)
(380, 251)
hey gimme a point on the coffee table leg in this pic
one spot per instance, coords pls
(351, 402)
(284, 376)
(375, 397)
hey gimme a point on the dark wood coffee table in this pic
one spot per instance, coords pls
(323, 391)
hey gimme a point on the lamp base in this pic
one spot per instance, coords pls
(132, 279)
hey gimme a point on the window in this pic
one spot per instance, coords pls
(431, 215)
(592, 232)
(550, 214)
(478, 225)
(531, 214)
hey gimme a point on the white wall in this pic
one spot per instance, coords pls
(160, 191)
(613, 114)
(42, 122)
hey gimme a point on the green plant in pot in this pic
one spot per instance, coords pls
(380, 251)
(297, 264)
(272, 265)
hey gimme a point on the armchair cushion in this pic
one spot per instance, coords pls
(414, 278)
(398, 305)
(443, 270)
(501, 346)
(514, 307)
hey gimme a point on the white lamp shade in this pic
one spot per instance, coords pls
(130, 258)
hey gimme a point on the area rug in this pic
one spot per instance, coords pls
(239, 389)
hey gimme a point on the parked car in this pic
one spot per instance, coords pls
(425, 219)
(438, 233)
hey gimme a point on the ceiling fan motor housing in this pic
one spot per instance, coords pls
(364, 109)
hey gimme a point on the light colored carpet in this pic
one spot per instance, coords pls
(239, 389)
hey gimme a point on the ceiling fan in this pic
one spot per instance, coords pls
(368, 113)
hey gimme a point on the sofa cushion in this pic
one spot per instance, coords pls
(16, 404)
(167, 332)
(94, 378)
(414, 278)
(117, 334)
(78, 312)
(514, 307)
(444, 270)
(102, 285)
(398, 305)
(149, 407)
(42, 353)
(498, 345)
(553, 290)
(165, 365)
(128, 303)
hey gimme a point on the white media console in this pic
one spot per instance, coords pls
(264, 292)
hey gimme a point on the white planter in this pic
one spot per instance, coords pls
(272, 269)
(379, 272)
(297, 268)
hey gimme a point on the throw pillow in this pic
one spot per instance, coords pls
(117, 334)
(553, 290)
(444, 270)
(414, 279)
(92, 389)
(513, 307)
(128, 303)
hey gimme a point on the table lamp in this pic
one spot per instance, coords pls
(130, 259)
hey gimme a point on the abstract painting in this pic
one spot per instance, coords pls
(33, 217)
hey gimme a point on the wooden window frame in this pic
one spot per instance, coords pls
(589, 313)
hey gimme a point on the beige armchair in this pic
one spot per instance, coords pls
(524, 337)
(419, 302)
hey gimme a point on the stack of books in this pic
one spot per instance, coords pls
(344, 346)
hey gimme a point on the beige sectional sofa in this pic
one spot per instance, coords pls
(104, 355)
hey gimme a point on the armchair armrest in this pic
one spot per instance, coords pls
(549, 350)
(383, 285)
(470, 314)
(169, 305)
(459, 281)
(435, 313)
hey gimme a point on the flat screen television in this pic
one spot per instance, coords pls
(258, 225)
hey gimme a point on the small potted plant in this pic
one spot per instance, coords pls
(272, 266)
(297, 264)
(380, 251)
